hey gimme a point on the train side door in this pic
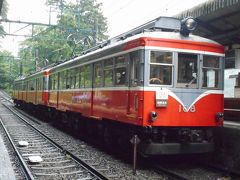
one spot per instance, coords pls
(134, 82)
(58, 87)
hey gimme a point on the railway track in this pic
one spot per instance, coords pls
(42, 158)
(185, 170)
(166, 171)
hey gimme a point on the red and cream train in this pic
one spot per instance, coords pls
(156, 81)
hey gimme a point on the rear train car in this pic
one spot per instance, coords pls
(32, 91)
(156, 81)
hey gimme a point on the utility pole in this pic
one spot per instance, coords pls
(96, 31)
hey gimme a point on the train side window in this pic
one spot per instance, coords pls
(134, 68)
(72, 78)
(187, 70)
(63, 80)
(50, 82)
(108, 72)
(37, 84)
(120, 70)
(31, 85)
(77, 77)
(161, 68)
(98, 75)
(87, 76)
(56, 80)
(81, 80)
(41, 83)
(211, 72)
(68, 75)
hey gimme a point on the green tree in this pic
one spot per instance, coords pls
(80, 25)
(8, 69)
(4, 15)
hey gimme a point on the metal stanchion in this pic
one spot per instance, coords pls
(135, 140)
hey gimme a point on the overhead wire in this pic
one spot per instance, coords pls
(160, 11)
(116, 11)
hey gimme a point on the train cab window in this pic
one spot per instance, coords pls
(108, 72)
(120, 70)
(211, 72)
(187, 70)
(161, 68)
(98, 75)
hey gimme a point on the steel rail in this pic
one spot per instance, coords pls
(74, 157)
(169, 173)
(26, 170)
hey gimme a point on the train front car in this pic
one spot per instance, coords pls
(183, 93)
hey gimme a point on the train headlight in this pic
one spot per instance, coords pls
(153, 116)
(187, 25)
(191, 24)
(219, 116)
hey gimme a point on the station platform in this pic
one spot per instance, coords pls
(231, 124)
(6, 169)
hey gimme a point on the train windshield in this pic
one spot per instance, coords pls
(192, 70)
(211, 72)
(161, 68)
(187, 70)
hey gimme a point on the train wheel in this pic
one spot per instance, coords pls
(110, 140)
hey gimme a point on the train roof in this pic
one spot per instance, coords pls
(150, 34)
(35, 74)
(159, 29)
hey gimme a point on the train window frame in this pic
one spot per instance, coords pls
(135, 68)
(98, 74)
(77, 77)
(209, 68)
(72, 78)
(108, 77)
(62, 80)
(194, 77)
(81, 75)
(68, 76)
(157, 80)
(50, 82)
(120, 76)
(87, 76)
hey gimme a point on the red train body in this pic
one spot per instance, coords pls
(162, 86)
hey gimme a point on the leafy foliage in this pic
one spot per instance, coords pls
(4, 15)
(80, 25)
(8, 69)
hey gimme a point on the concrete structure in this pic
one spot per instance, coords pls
(6, 170)
(220, 20)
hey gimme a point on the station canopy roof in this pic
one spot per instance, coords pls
(218, 20)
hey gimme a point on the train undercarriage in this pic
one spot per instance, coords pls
(116, 136)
